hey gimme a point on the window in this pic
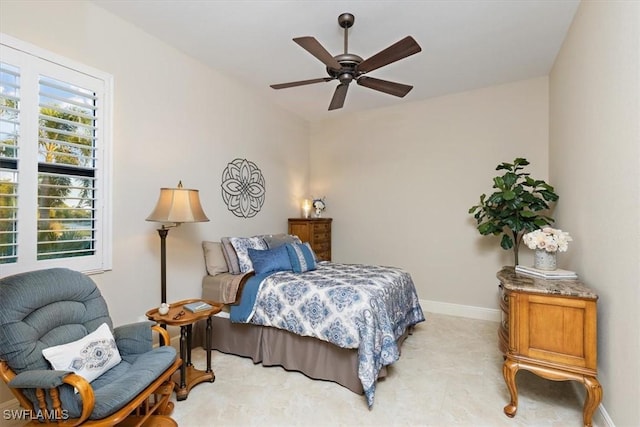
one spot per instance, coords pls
(55, 144)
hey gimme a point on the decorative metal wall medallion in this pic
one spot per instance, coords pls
(243, 188)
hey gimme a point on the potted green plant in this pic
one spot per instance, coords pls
(519, 205)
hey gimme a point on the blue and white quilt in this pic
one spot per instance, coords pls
(350, 305)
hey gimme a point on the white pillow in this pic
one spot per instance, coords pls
(214, 258)
(241, 244)
(88, 357)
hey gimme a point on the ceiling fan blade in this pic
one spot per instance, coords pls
(301, 83)
(397, 51)
(392, 88)
(339, 96)
(313, 46)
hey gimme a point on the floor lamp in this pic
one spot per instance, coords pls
(175, 206)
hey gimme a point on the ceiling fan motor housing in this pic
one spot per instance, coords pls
(347, 71)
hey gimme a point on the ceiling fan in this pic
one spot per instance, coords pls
(348, 67)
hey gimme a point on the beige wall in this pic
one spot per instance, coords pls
(174, 119)
(399, 183)
(595, 162)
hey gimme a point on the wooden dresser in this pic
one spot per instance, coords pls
(548, 327)
(316, 231)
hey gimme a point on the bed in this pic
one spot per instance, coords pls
(338, 322)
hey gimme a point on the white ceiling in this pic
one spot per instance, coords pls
(465, 44)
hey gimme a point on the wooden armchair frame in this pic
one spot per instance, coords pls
(150, 407)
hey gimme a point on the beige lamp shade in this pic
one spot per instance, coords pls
(178, 205)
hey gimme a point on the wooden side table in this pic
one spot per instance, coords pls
(189, 376)
(549, 328)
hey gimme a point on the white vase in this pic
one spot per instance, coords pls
(543, 260)
(163, 309)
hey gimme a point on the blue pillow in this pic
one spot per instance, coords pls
(265, 261)
(301, 257)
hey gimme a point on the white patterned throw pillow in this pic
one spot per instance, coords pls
(241, 244)
(88, 357)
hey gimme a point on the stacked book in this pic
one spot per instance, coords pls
(197, 306)
(546, 274)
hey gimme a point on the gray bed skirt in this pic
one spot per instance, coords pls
(276, 347)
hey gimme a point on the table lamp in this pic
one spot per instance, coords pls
(175, 206)
(306, 208)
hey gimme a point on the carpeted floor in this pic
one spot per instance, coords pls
(449, 374)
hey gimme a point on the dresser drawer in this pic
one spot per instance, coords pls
(323, 255)
(321, 246)
(322, 227)
(321, 236)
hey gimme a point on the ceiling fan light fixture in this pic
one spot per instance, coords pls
(345, 78)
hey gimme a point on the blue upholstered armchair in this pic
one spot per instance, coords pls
(62, 312)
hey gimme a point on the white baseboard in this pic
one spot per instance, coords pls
(460, 310)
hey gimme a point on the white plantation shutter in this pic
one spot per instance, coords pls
(9, 130)
(54, 168)
(66, 170)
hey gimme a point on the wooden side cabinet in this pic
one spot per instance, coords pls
(316, 231)
(548, 327)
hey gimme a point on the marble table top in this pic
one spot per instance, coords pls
(565, 287)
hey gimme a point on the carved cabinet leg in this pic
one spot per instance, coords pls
(509, 370)
(594, 397)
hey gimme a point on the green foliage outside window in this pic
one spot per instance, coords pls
(65, 211)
